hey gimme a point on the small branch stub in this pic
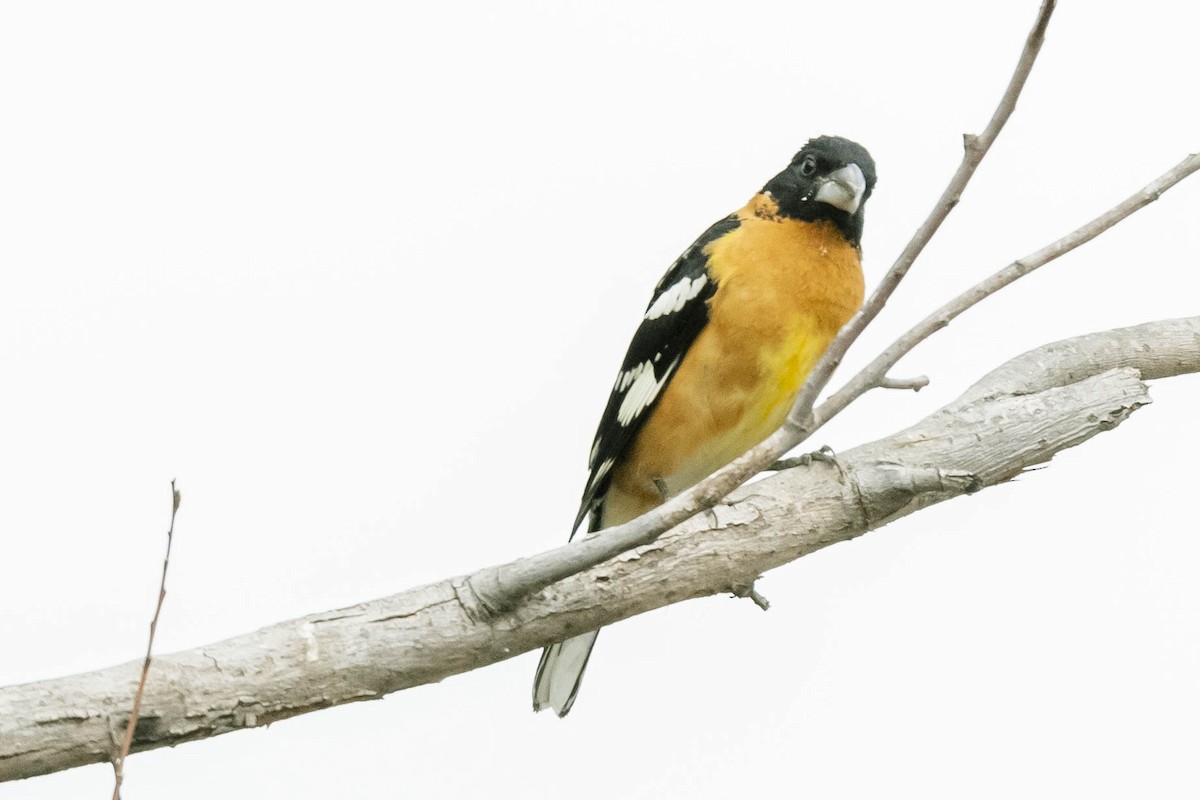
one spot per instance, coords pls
(914, 384)
(751, 592)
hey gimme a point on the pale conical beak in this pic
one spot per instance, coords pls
(844, 189)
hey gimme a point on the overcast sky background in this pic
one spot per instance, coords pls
(359, 276)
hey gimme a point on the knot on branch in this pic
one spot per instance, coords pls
(481, 596)
(885, 489)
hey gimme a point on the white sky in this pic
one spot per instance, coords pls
(359, 276)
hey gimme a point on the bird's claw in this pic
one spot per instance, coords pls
(825, 455)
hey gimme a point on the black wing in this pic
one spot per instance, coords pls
(676, 314)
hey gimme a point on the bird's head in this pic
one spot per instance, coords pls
(829, 179)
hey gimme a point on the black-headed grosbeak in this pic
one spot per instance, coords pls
(732, 331)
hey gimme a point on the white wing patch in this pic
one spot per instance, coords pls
(630, 375)
(643, 387)
(676, 297)
(602, 470)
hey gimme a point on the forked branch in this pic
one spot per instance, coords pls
(491, 594)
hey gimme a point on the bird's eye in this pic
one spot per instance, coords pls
(808, 167)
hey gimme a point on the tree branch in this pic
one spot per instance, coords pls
(1017, 416)
(871, 375)
(127, 739)
(974, 149)
(491, 591)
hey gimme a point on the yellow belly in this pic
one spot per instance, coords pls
(784, 290)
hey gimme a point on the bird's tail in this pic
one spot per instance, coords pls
(560, 671)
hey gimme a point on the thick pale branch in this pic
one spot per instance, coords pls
(1001, 426)
(1156, 350)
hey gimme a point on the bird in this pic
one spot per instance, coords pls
(729, 336)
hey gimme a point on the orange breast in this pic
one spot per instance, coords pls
(784, 289)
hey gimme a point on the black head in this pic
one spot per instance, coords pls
(830, 179)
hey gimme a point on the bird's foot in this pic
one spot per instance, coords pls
(825, 456)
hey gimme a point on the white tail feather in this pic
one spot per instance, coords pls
(560, 671)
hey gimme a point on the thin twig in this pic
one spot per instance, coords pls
(119, 762)
(974, 149)
(495, 594)
(868, 377)
(913, 384)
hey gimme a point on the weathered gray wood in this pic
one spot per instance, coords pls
(1020, 415)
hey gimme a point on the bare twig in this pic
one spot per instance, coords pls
(496, 593)
(914, 384)
(119, 761)
(868, 377)
(974, 149)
